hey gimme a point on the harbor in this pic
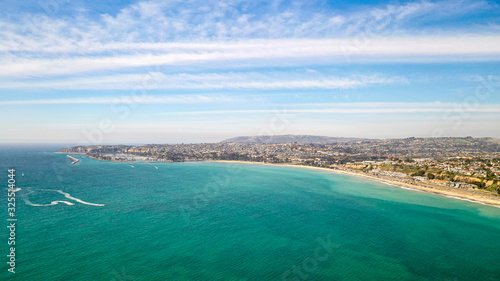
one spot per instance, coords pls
(73, 158)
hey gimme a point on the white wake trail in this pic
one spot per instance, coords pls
(51, 203)
(67, 195)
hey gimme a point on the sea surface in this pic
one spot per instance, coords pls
(217, 221)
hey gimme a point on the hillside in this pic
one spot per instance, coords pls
(288, 139)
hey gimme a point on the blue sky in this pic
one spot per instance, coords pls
(87, 72)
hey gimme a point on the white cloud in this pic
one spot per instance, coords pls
(187, 21)
(207, 81)
(354, 108)
(266, 52)
(175, 33)
(136, 98)
(118, 50)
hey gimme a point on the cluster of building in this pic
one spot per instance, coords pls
(388, 173)
(471, 157)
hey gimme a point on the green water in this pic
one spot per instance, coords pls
(218, 221)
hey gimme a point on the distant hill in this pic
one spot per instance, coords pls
(289, 139)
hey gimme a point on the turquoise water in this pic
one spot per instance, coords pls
(218, 221)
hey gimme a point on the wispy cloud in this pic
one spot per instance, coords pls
(281, 53)
(257, 33)
(350, 108)
(180, 21)
(208, 81)
(268, 53)
(139, 99)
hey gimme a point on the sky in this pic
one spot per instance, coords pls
(136, 72)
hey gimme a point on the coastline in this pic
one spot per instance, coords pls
(460, 194)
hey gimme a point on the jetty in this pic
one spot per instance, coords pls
(73, 158)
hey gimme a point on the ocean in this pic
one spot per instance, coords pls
(221, 221)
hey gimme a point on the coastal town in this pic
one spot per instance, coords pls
(471, 164)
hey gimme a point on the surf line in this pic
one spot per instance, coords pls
(67, 195)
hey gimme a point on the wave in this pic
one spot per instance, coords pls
(470, 200)
(67, 195)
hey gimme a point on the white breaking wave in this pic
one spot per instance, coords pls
(470, 200)
(67, 195)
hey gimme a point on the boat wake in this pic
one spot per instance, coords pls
(67, 195)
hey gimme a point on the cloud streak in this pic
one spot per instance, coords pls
(318, 108)
(215, 33)
(137, 99)
(208, 81)
(269, 53)
(352, 108)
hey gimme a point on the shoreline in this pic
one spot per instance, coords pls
(460, 194)
(464, 195)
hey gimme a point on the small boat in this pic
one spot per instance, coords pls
(22, 174)
(156, 168)
(132, 166)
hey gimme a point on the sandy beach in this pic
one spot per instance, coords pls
(461, 194)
